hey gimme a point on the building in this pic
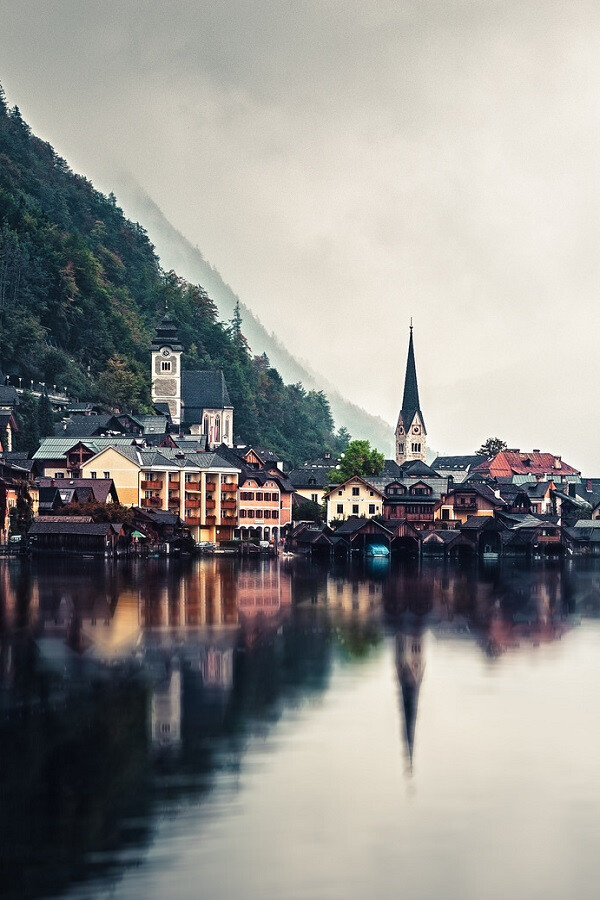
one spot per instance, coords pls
(457, 467)
(354, 497)
(411, 433)
(534, 466)
(196, 400)
(201, 488)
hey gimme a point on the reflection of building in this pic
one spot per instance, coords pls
(166, 709)
(410, 663)
(216, 667)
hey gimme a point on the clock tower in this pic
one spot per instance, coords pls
(411, 434)
(166, 367)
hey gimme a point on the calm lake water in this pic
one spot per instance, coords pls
(219, 728)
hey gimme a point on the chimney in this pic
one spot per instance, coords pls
(557, 462)
(588, 484)
(535, 450)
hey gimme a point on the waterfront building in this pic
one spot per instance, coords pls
(471, 498)
(201, 488)
(411, 433)
(354, 497)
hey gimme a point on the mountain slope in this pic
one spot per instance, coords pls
(177, 253)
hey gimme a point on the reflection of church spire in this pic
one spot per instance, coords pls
(410, 663)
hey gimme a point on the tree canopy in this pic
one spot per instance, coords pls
(81, 289)
(491, 447)
(359, 458)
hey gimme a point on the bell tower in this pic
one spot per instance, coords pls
(166, 367)
(411, 434)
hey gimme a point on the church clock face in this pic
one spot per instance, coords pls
(165, 351)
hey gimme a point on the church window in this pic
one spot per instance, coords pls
(217, 429)
(400, 448)
(165, 366)
(205, 426)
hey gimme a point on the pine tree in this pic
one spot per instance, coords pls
(45, 417)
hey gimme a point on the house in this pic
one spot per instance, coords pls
(201, 488)
(63, 457)
(67, 535)
(354, 497)
(415, 502)
(534, 466)
(80, 490)
(470, 498)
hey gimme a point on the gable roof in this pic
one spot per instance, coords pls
(458, 463)
(8, 395)
(203, 389)
(513, 462)
(367, 484)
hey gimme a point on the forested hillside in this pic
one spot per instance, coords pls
(81, 288)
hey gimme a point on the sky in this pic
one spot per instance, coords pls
(346, 166)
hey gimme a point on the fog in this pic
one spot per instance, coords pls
(346, 166)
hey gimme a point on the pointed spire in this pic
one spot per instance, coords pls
(410, 399)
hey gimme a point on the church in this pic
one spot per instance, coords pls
(411, 434)
(196, 401)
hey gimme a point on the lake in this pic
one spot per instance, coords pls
(223, 728)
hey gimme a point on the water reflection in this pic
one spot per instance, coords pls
(130, 689)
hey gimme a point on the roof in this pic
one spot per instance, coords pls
(83, 426)
(309, 476)
(56, 447)
(416, 468)
(513, 462)
(8, 395)
(410, 398)
(202, 390)
(69, 525)
(99, 488)
(458, 463)
(354, 524)
(166, 335)
(368, 485)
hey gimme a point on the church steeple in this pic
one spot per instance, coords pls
(166, 367)
(410, 431)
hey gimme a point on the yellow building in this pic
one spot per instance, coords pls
(355, 497)
(201, 488)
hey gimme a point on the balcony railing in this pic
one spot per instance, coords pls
(173, 501)
(192, 520)
(151, 501)
(227, 504)
(151, 485)
(192, 486)
(211, 520)
(192, 503)
(210, 504)
(211, 486)
(173, 485)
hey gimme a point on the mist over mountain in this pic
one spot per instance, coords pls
(176, 252)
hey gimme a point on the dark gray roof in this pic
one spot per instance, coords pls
(202, 390)
(166, 335)
(417, 468)
(84, 426)
(460, 463)
(309, 476)
(40, 526)
(8, 395)
(410, 398)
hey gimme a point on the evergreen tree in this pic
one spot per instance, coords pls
(45, 417)
(27, 415)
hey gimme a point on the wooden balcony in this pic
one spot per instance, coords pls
(151, 485)
(151, 501)
(192, 521)
(211, 504)
(192, 486)
(211, 520)
(227, 504)
(174, 501)
(211, 486)
(173, 485)
(192, 502)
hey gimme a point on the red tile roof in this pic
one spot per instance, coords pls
(513, 462)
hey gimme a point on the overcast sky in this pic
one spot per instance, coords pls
(347, 165)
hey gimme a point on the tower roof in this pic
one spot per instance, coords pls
(166, 335)
(410, 398)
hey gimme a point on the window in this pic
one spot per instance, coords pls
(267, 496)
(250, 513)
(92, 474)
(59, 474)
(446, 514)
(275, 514)
(371, 493)
(242, 513)
(371, 509)
(355, 491)
(400, 448)
(339, 493)
(165, 366)
(355, 509)
(340, 509)
(259, 495)
(267, 514)
(416, 448)
(314, 498)
(107, 474)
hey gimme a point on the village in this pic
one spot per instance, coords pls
(179, 481)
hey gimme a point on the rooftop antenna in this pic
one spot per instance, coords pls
(411, 324)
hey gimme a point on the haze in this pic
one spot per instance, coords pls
(346, 166)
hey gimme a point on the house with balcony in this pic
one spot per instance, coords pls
(415, 502)
(201, 488)
(470, 498)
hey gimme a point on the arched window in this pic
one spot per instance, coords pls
(217, 429)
